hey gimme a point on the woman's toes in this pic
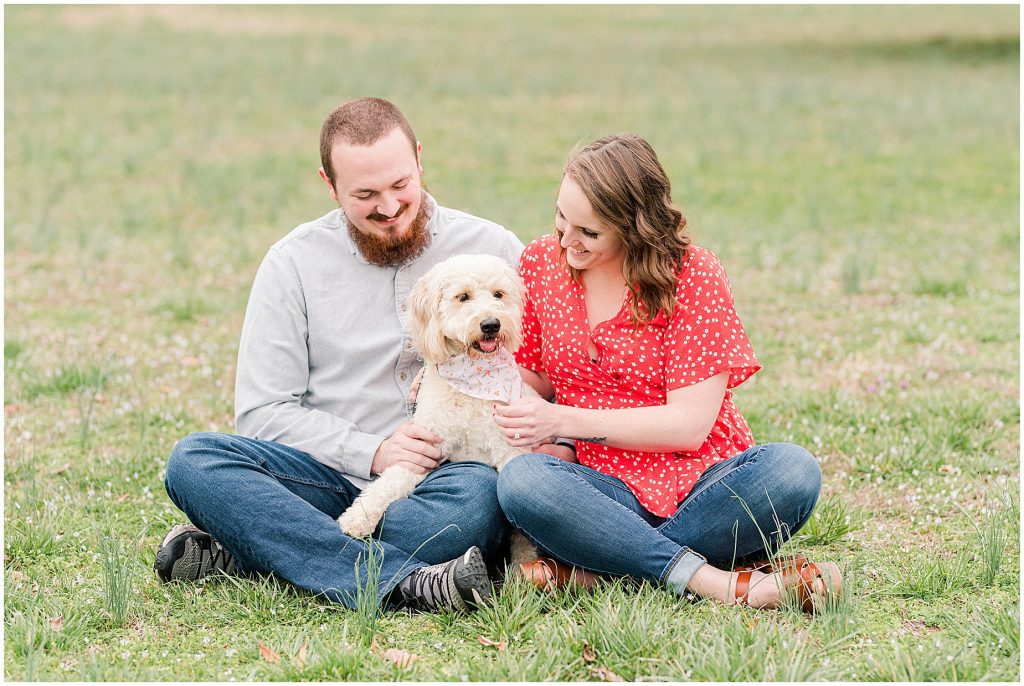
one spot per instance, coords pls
(765, 590)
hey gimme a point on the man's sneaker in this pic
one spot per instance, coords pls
(188, 554)
(461, 584)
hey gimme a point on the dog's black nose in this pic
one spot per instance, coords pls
(490, 327)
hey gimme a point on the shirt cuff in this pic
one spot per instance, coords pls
(357, 454)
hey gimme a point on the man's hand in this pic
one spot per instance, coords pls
(412, 447)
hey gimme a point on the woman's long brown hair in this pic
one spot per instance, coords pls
(629, 191)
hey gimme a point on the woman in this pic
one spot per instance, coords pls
(634, 332)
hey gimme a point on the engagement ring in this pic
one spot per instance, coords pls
(516, 436)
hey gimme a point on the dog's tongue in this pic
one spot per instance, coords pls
(488, 345)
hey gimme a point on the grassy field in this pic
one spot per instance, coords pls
(856, 169)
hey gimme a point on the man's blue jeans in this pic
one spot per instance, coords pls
(275, 508)
(743, 507)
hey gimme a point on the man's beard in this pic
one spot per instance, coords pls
(390, 251)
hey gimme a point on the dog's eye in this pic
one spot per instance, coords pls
(463, 297)
(499, 294)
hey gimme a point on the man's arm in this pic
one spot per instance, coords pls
(273, 376)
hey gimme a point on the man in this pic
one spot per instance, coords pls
(325, 365)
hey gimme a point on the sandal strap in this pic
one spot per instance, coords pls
(539, 573)
(743, 587)
(550, 575)
(801, 582)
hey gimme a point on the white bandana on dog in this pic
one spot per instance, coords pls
(495, 377)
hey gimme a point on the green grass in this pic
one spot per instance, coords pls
(65, 380)
(855, 168)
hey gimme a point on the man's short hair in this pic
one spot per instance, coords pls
(361, 122)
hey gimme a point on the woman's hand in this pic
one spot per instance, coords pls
(528, 421)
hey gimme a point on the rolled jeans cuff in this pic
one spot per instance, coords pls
(681, 569)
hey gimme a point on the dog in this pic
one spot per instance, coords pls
(464, 315)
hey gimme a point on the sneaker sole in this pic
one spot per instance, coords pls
(162, 563)
(471, 576)
(177, 530)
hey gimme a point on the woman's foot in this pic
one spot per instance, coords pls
(813, 585)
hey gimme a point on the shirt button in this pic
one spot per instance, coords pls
(403, 307)
(403, 376)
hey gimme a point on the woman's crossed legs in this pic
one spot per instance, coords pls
(741, 508)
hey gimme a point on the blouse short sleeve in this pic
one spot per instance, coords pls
(529, 352)
(705, 336)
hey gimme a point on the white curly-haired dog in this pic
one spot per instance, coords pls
(464, 315)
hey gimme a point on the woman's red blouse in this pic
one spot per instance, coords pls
(703, 337)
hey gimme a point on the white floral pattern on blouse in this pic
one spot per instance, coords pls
(703, 338)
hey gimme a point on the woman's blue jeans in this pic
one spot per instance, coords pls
(275, 509)
(740, 508)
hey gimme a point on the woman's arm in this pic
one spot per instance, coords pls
(538, 381)
(681, 424)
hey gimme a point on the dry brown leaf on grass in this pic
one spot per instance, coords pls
(300, 658)
(269, 655)
(500, 645)
(402, 658)
(605, 674)
(589, 654)
(63, 468)
(57, 623)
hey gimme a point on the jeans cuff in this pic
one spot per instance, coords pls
(681, 570)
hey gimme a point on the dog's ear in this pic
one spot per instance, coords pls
(424, 301)
(514, 297)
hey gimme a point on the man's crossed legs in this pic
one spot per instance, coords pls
(273, 509)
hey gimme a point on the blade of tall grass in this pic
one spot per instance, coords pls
(118, 574)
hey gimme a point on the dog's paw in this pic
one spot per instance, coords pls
(356, 524)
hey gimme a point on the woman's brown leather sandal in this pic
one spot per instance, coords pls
(798, 577)
(550, 575)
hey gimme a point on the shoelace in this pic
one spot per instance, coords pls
(210, 556)
(220, 558)
(430, 588)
